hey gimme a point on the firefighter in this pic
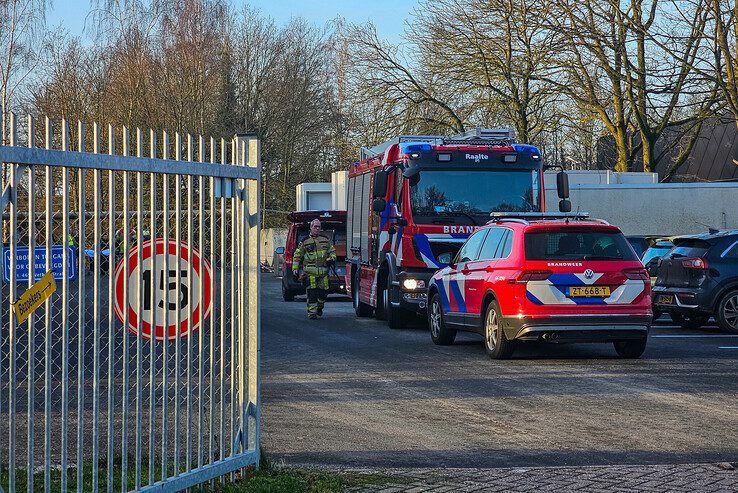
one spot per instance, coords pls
(314, 255)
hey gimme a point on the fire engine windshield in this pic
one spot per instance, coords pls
(465, 194)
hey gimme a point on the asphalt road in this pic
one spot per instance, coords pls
(350, 392)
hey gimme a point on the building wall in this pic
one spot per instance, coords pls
(339, 190)
(313, 196)
(271, 238)
(661, 209)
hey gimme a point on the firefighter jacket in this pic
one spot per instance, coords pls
(313, 255)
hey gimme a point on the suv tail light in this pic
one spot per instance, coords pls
(532, 275)
(695, 263)
(639, 274)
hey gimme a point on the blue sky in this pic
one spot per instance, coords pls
(388, 15)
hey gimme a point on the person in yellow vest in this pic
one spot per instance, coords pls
(314, 255)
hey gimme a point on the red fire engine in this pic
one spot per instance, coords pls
(413, 201)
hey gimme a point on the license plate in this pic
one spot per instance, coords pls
(665, 299)
(589, 291)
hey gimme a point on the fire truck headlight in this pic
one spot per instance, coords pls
(413, 284)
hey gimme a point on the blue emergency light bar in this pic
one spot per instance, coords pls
(415, 147)
(533, 150)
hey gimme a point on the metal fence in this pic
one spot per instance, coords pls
(141, 371)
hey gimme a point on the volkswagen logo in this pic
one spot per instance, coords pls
(588, 274)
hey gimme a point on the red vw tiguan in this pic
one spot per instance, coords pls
(543, 277)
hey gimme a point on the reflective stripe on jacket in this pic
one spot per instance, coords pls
(313, 254)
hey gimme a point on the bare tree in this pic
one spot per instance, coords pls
(496, 55)
(22, 24)
(408, 89)
(661, 88)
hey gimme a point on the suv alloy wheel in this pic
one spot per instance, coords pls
(440, 333)
(727, 312)
(495, 342)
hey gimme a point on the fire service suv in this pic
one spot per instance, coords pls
(414, 200)
(334, 228)
(543, 277)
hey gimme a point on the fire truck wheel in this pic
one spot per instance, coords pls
(440, 333)
(495, 342)
(287, 295)
(382, 303)
(361, 309)
(397, 318)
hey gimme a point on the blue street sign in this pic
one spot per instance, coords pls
(57, 260)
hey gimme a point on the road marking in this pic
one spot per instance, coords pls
(727, 347)
(694, 336)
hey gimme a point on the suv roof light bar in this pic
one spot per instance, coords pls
(532, 216)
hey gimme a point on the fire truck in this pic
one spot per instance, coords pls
(414, 200)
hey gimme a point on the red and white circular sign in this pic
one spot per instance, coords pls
(162, 296)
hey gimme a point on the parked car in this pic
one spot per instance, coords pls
(658, 249)
(334, 228)
(639, 243)
(538, 278)
(698, 279)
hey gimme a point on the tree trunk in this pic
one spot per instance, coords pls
(3, 109)
(621, 147)
(648, 144)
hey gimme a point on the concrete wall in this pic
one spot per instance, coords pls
(339, 190)
(272, 238)
(313, 196)
(600, 177)
(662, 209)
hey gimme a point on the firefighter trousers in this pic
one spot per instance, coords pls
(317, 290)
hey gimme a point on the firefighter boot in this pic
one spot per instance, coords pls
(322, 283)
(312, 303)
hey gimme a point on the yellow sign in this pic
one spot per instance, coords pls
(35, 297)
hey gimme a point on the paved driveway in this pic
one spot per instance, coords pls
(348, 392)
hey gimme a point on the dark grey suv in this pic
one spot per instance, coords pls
(698, 279)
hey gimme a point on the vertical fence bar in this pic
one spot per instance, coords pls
(111, 316)
(177, 315)
(200, 311)
(139, 306)
(211, 413)
(47, 319)
(223, 266)
(243, 272)
(152, 304)
(165, 340)
(233, 308)
(254, 288)
(126, 301)
(65, 313)
(11, 316)
(190, 226)
(30, 466)
(81, 296)
(97, 265)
